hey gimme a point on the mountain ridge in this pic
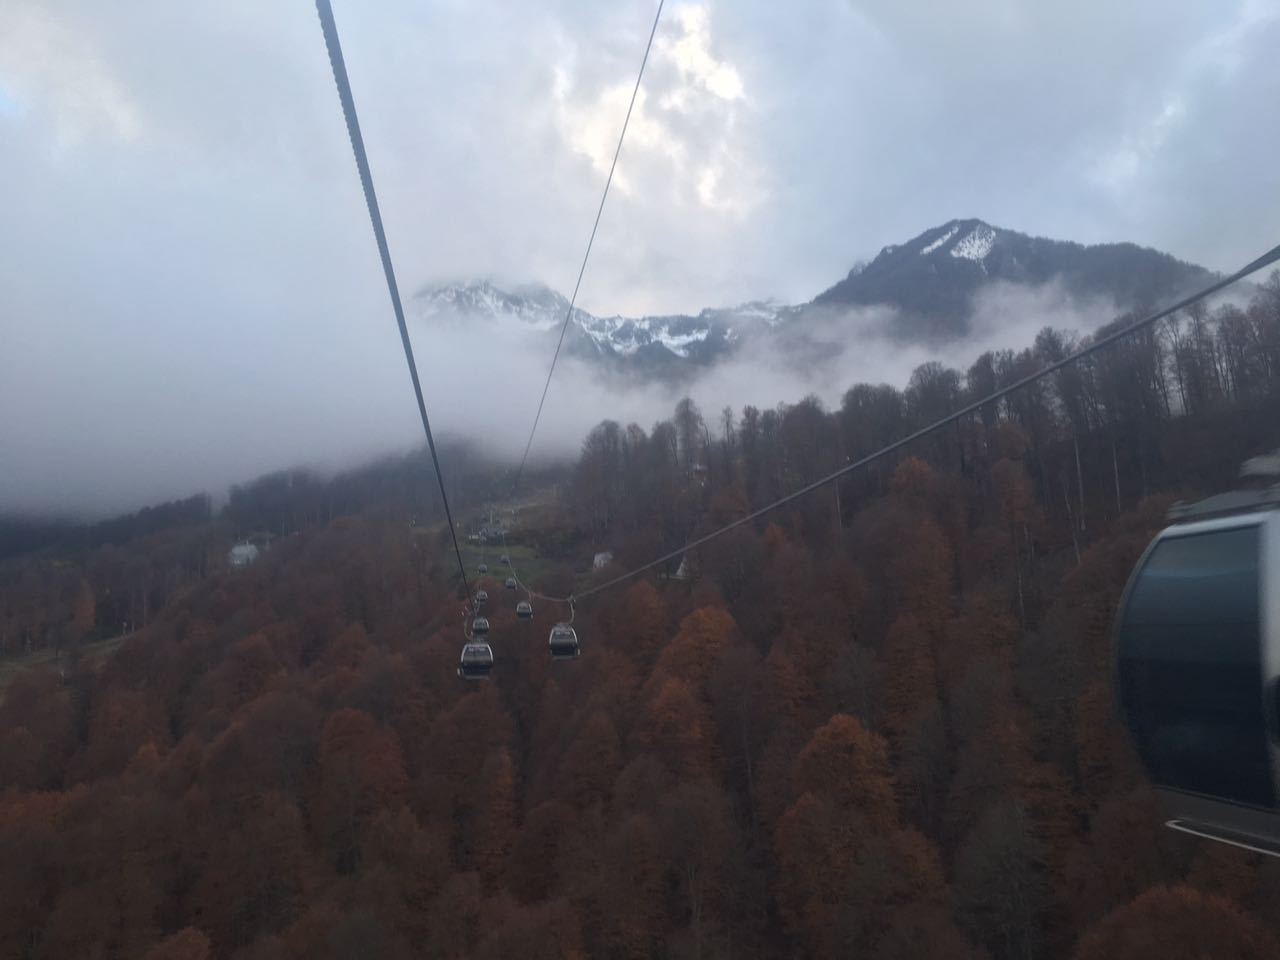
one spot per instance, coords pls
(933, 277)
(929, 283)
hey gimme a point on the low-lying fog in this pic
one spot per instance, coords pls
(151, 417)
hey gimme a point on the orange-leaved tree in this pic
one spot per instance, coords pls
(1178, 923)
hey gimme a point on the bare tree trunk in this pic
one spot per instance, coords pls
(751, 779)
(1115, 472)
(1075, 442)
(695, 910)
(1075, 539)
(1017, 566)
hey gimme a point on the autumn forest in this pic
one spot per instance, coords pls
(876, 723)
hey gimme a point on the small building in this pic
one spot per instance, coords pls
(602, 560)
(243, 554)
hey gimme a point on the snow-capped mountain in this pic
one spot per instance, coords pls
(537, 307)
(931, 279)
(641, 342)
(928, 284)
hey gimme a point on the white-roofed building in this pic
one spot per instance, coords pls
(243, 554)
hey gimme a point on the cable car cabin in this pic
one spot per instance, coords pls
(1198, 668)
(482, 596)
(483, 568)
(524, 610)
(505, 559)
(476, 661)
(480, 626)
(564, 642)
(511, 583)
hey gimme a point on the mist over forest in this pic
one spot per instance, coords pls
(345, 399)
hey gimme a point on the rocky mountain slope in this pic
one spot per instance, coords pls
(928, 286)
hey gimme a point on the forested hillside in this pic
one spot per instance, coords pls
(878, 724)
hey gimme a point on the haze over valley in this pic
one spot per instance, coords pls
(950, 293)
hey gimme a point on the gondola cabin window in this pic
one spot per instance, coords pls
(1190, 666)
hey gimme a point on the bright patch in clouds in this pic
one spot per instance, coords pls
(1118, 169)
(60, 72)
(691, 54)
(8, 105)
(684, 143)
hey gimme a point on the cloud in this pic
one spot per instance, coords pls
(41, 60)
(1119, 168)
(684, 142)
(691, 54)
(189, 292)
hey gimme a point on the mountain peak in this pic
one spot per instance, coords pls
(660, 345)
(933, 277)
(929, 282)
(533, 304)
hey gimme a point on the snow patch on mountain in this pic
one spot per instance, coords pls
(543, 310)
(976, 244)
(535, 306)
(939, 242)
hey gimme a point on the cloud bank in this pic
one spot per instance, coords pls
(189, 294)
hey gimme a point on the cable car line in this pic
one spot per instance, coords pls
(525, 587)
(1267, 259)
(524, 608)
(562, 641)
(339, 66)
(590, 240)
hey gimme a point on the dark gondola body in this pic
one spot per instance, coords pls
(1197, 669)
(563, 642)
(476, 661)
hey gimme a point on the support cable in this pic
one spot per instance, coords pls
(375, 217)
(568, 315)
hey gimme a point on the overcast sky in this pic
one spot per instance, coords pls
(190, 294)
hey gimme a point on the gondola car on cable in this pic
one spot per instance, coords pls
(511, 583)
(476, 661)
(482, 596)
(524, 610)
(563, 642)
(483, 568)
(480, 626)
(1197, 667)
(505, 559)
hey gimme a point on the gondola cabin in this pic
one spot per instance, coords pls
(524, 610)
(563, 642)
(483, 568)
(482, 597)
(480, 626)
(476, 661)
(511, 583)
(1198, 667)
